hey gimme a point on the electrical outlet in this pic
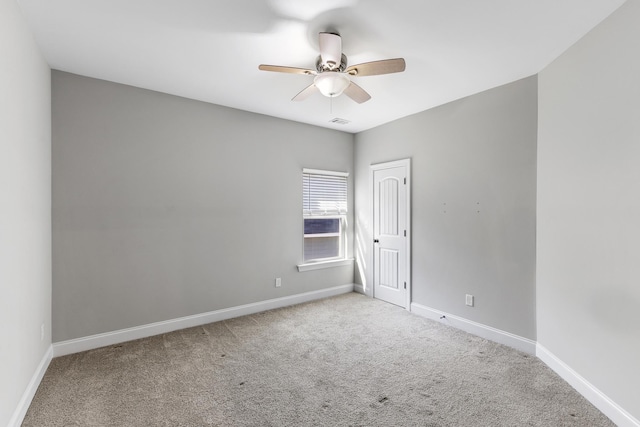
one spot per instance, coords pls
(469, 300)
(278, 282)
(42, 332)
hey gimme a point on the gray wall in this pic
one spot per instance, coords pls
(165, 207)
(589, 207)
(481, 149)
(25, 208)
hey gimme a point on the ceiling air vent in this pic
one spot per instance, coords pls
(339, 121)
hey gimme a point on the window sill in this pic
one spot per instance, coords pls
(324, 264)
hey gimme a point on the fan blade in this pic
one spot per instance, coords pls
(305, 93)
(330, 49)
(386, 66)
(356, 93)
(291, 70)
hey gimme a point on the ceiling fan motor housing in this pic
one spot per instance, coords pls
(330, 66)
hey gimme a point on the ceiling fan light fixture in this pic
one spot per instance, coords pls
(331, 83)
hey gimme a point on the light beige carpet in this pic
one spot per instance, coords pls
(343, 361)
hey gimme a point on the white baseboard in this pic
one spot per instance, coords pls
(32, 387)
(109, 338)
(359, 289)
(519, 343)
(597, 398)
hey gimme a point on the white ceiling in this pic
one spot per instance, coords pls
(210, 50)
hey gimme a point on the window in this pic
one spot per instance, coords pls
(324, 207)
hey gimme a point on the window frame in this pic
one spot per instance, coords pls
(340, 214)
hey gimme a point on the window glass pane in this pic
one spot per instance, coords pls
(321, 247)
(321, 225)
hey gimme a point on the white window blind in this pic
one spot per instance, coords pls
(324, 192)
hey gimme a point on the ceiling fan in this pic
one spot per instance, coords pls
(332, 76)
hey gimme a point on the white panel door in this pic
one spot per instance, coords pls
(390, 231)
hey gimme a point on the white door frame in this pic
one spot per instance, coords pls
(388, 165)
